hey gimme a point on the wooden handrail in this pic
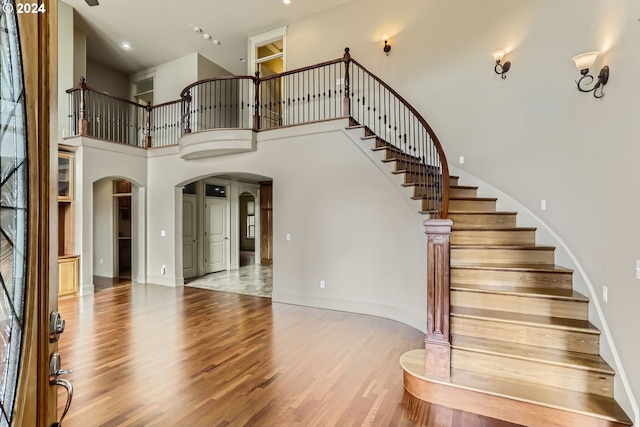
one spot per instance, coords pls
(301, 70)
(213, 79)
(117, 98)
(432, 134)
(165, 104)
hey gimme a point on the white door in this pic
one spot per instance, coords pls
(189, 236)
(216, 239)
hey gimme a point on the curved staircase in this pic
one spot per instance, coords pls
(522, 347)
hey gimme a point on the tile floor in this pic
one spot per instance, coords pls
(253, 279)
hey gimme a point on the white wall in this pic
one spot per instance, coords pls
(79, 55)
(96, 161)
(207, 69)
(106, 79)
(532, 135)
(65, 65)
(170, 78)
(349, 227)
(103, 250)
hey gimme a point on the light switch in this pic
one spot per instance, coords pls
(163, 233)
(288, 237)
(543, 205)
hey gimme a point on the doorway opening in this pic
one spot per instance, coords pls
(122, 228)
(247, 229)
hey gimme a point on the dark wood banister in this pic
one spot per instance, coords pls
(432, 134)
(213, 79)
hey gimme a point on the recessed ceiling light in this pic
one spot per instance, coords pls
(206, 36)
(125, 45)
(197, 29)
(216, 42)
(286, 1)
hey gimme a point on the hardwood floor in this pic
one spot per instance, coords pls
(147, 355)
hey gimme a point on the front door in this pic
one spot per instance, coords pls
(28, 398)
(217, 240)
(189, 236)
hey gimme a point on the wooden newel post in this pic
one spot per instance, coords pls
(256, 102)
(346, 103)
(186, 112)
(438, 341)
(147, 131)
(83, 123)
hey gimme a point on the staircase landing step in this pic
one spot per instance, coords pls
(516, 402)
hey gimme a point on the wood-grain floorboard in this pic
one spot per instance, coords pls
(147, 355)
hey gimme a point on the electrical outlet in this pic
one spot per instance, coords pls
(288, 237)
(638, 269)
(321, 284)
(163, 233)
(543, 205)
(461, 160)
(163, 270)
(100, 260)
(605, 293)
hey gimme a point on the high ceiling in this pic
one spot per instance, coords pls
(162, 30)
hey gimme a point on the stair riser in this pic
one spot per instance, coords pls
(453, 181)
(463, 192)
(540, 306)
(472, 205)
(532, 371)
(493, 237)
(527, 279)
(483, 220)
(526, 334)
(470, 255)
(410, 177)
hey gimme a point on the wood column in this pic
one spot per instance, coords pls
(346, 103)
(438, 341)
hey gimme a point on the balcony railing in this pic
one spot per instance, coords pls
(330, 90)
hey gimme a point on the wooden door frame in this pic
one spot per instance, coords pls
(36, 400)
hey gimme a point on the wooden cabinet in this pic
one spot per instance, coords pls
(68, 275)
(68, 261)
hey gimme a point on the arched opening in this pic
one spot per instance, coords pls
(114, 232)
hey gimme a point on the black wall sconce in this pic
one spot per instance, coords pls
(500, 68)
(387, 46)
(583, 62)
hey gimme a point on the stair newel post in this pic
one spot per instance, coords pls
(186, 115)
(256, 102)
(438, 340)
(83, 122)
(147, 131)
(346, 103)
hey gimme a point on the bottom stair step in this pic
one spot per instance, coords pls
(582, 372)
(514, 401)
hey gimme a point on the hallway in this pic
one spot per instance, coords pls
(253, 279)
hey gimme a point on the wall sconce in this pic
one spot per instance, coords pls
(583, 62)
(387, 46)
(501, 68)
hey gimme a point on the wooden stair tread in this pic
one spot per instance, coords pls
(526, 319)
(526, 292)
(520, 247)
(482, 212)
(544, 268)
(479, 199)
(572, 359)
(491, 230)
(604, 408)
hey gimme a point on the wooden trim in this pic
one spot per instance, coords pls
(438, 340)
(213, 79)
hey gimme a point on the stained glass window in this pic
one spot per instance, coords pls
(13, 209)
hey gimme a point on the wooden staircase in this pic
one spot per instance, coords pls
(522, 347)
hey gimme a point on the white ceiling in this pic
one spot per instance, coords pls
(159, 30)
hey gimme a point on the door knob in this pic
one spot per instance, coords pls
(54, 372)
